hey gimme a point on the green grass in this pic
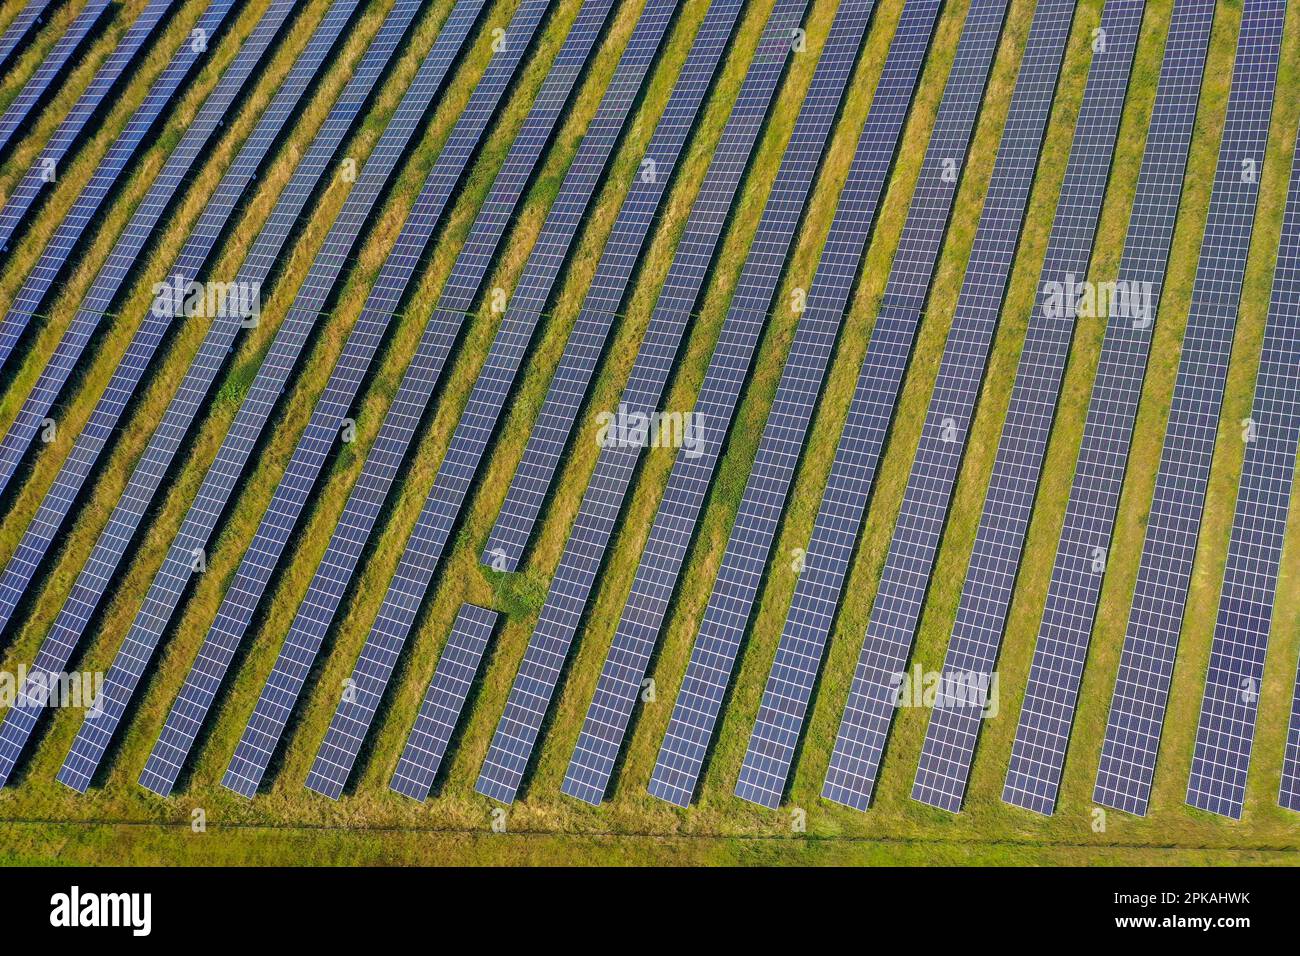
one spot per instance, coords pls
(123, 823)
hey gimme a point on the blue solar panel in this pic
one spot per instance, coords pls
(458, 665)
(539, 672)
(51, 69)
(170, 582)
(130, 245)
(301, 645)
(661, 562)
(469, 442)
(20, 202)
(991, 575)
(1044, 729)
(355, 711)
(722, 628)
(109, 549)
(20, 28)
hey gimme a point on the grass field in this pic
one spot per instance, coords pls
(119, 822)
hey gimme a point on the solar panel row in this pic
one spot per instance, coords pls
(301, 645)
(355, 711)
(183, 559)
(130, 245)
(717, 644)
(44, 171)
(59, 60)
(1038, 753)
(491, 389)
(88, 590)
(539, 672)
(637, 633)
(458, 665)
(1004, 521)
(20, 28)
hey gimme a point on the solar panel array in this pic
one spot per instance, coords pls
(1038, 753)
(58, 252)
(20, 28)
(130, 245)
(262, 397)
(301, 645)
(51, 69)
(458, 665)
(20, 202)
(717, 645)
(91, 583)
(661, 561)
(579, 566)
(991, 575)
(338, 751)
(469, 442)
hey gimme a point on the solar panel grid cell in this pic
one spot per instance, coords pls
(579, 566)
(20, 28)
(661, 562)
(352, 719)
(473, 433)
(262, 397)
(717, 645)
(991, 577)
(1038, 753)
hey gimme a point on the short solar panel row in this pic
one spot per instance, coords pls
(474, 431)
(726, 617)
(262, 398)
(664, 555)
(20, 202)
(991, 575)
(580, 562)
(20, 110)
(303, 641)
(20, 28)
(1038, 754)
(75, 615)
(338, 751)
(458, 665)
(113, 275)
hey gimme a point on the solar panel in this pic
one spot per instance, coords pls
(579, 566)
(58, 252)
(20, 202)
(717, 644)
(20, 28)
(301, 645)
(637, 633)
(170, 582)
(370, 677)
(443, 702)
(991, 575)
(1044, 728)
(133, 240)
(474, 431)
(51, 69)
(91, 583)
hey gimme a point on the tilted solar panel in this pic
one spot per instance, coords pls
(726, 617)
(301, 646)
(991, 575)
(20, 28)
(1038, 753)
(88, 590)
(1128, 755)
(20, 110)
(115, 272)
(19, 203)
(170, 582)
(539, 672)
(458, 665)
(637, 633)
(469, 442)
(355, 711)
